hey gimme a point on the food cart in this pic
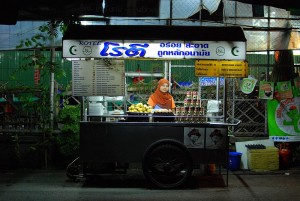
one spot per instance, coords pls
(168, 146)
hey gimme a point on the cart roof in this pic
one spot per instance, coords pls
(154, 32)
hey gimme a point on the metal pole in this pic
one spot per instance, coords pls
(52, 59)
(233, 104)
(171, 14)
(166, 69)
(217, 88)
(170, 73)
(52, 90)
(52, 84)
(268, 66)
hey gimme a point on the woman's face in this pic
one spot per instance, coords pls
(164, 88)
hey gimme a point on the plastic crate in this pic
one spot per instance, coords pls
(263, 159)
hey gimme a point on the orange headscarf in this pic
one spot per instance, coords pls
(163, 100)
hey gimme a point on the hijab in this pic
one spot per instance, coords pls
(163, 100)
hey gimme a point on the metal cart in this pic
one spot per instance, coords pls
(167, 151)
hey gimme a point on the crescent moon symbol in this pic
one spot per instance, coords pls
(72, 50)
(234, 51)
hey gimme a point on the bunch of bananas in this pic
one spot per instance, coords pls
(140, 107)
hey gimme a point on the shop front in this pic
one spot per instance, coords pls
(168, 143)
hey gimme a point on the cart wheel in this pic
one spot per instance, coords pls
(73, 169)
(167, 164)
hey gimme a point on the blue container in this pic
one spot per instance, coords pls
(234, 160)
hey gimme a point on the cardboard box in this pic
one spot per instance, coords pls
(263, 159)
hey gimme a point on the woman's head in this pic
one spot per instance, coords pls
(163, 85)
(161, 97)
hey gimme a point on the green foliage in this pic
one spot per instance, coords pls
(35, 41)
(46, 33)
(69, 114)
(68, 139)
(41, 60)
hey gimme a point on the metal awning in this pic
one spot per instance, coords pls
(154, 32)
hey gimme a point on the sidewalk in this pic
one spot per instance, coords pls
(49, 185)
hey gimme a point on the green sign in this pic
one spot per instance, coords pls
(266, 90)
(285, 90)
(284, 119)
(248, 85)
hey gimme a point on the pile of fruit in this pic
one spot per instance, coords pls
(140, 107)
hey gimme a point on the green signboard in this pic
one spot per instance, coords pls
(284, 119)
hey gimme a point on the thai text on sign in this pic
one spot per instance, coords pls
(217, 68)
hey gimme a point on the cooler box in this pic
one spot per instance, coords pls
(263, 159)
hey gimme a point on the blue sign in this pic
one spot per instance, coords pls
(210, 81)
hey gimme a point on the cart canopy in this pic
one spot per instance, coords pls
(154, 42)
(155, 32)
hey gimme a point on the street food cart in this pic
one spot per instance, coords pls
(168, 146)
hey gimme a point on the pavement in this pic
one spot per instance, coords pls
(53, 184)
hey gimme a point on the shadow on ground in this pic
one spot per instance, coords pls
(139, 181)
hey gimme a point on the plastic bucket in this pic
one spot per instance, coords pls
(284, 159)
(234, 160)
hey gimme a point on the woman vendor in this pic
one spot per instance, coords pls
(161, 98)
